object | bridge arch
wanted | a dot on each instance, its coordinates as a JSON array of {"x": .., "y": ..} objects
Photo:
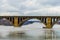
[
  {"x": 31, "y": 20},
  {"x": 5, "y": 21},
  {"x": 56, "y": 23},
  {"x": 27, "y": 19}
]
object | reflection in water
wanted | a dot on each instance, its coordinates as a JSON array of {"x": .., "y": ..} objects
[
  {"x": 49, "y": 34},
  {"x": 37, "y": 34},
  {"x": 57, "y": 33}
]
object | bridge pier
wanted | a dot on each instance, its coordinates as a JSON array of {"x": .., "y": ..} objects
[
  {"x": 16, "y": 21},
  {"x": 48, "y": 22}
]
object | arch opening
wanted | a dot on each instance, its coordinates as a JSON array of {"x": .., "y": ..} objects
[
  {"x": 5, "y": 22},
  {"x": 33, "y": 23},
  {"x": 56, "y": 25}
]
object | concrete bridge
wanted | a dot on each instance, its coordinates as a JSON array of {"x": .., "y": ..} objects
[{"x": 49, "y": 21}]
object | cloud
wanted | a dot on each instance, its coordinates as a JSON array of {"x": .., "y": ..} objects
[
  {"x": 6, "y": 7},
  {"x": 9, "y": 14},
  {"x": 50, "y": 11},
  {"x": 30, "y": 7}
]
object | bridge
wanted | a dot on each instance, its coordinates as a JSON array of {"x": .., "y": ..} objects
[{"x": 49, "y": 21}]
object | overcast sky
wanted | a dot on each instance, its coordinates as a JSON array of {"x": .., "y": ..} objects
[{"x": 30, "y": 7}]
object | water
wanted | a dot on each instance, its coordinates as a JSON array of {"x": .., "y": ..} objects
[
  {"x": 33, "y": 31},
  {"x": 35, "y": 34}
]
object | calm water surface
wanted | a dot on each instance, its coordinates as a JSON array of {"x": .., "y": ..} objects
[{"x": 35, "y": 34}]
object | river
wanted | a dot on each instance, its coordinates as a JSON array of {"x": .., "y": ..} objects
[{"x": 35, "y": 34}]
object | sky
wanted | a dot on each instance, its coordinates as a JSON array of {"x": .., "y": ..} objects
[{"x": 30, "y": 7}]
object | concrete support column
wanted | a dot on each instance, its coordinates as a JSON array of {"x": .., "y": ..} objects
[
  {"x": 48, "y": 22},
  {"x": 16, "y": 21}
]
